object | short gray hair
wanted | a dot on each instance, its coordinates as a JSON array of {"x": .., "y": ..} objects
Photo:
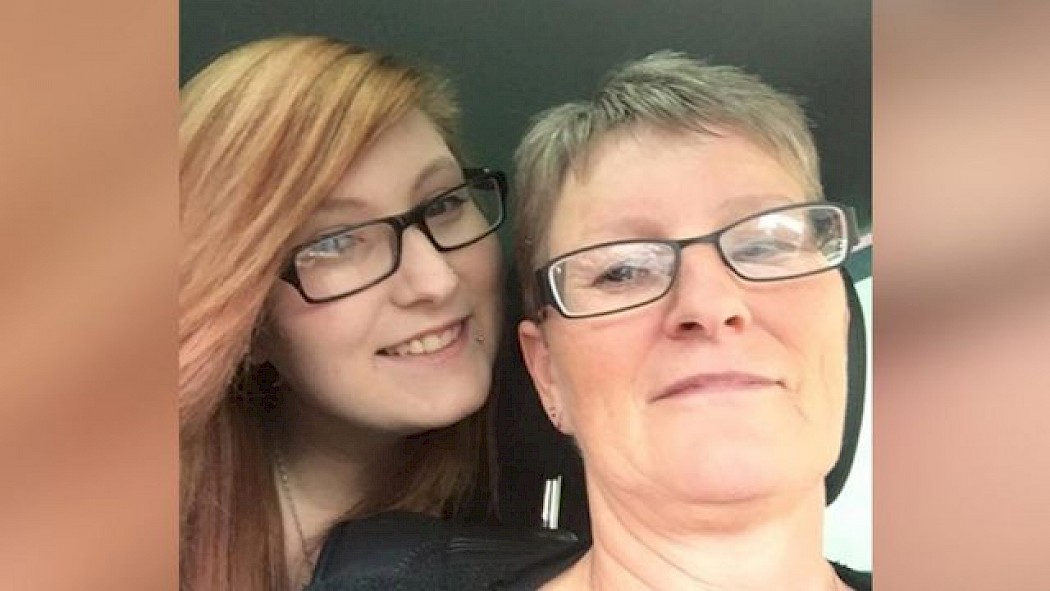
[{"x": 667, "y": 91}]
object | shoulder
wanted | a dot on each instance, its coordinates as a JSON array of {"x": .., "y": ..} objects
[
  {"x": 535, "y": 575},
  {"x": 411, "y": 551},
  {"x": 857, "y": 580},
  {"x": 377, "y": 549}
]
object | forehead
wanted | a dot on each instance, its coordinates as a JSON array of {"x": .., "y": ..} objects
[
  {"x": 405, "y": 163},
  {"x": 659, "y": 184},
  {"x": 391, "y": 163}
]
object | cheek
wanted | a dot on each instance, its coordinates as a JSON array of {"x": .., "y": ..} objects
[
  {"x": 480, "y": 273},
  {"x": 816, "y": 334},
  {"x": 478, "y": 267},
  {"x": 310, "y": 342},
  {"x": 831, "y": 372},
  {"x": 599, "y": 370}
]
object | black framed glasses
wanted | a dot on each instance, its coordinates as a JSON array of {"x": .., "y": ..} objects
[
  {"x": 351, "y": 259},
  {"x": 777, "y": 244}
]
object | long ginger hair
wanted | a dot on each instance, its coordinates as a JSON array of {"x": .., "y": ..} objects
[{"x": 266, "y": 132}]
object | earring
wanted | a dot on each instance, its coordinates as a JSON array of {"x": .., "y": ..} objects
[
  {"x": 479, "y": 338},
  {"x": 552, "y": 412},
  {"x": 269, "y": 379}
]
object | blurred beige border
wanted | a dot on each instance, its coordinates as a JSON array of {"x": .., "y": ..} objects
[
  {"x": 89, "y": 222},
  {"x": 88, "y": 228},
  {"x": 962, "y": 209}
]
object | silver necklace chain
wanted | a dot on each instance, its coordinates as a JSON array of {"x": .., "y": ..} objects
[{"x": 282, "y": 475}]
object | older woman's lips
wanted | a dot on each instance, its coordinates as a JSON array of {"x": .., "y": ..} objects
[{"x": 711, "y": 383}]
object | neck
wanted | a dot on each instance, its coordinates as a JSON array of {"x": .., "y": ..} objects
[
  {"x": 656, "y": 545},
  {"x": 333, "y": 465},
  {"x": 329, "y": 467}
]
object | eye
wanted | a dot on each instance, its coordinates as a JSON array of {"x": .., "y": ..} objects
[
  {"x": 622, "y": 273},
  {"x": 622, "y": 266},
  {"x": 626, "y": 274},
  {"x": 448, "y": 206},
  {"x": 767, "y": 250},
  {"x": 339, "y": 246}
]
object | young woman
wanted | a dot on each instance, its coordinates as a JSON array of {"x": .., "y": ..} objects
[{"x": 339, "y": 305}]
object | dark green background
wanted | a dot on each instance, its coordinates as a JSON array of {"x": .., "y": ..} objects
[{"x": 512, "y": 58}]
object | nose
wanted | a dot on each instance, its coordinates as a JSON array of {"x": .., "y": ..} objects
[
  {"x": 424, "y": 274},
  {"x": 707, "y": 299}
]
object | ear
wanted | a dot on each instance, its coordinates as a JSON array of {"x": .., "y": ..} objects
[
  {"x": 544, "y": 375},
  {"x": 260, "y": 347}
]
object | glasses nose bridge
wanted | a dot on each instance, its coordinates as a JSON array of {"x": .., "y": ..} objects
[
  {"x": 415, "y": 217},
  {"x": 711, "y": 238}
]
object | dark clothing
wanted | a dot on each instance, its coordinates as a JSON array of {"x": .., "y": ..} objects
[
  {"x": 537, "y": 575},
  {"x": 411, "y": 552}
]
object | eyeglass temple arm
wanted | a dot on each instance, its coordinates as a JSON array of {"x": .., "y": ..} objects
[
  {"x": 859, "y": 241},
  {"x": 543, "y": 296}
]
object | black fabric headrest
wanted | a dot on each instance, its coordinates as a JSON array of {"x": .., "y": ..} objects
[{"x": 857, "y": 367}]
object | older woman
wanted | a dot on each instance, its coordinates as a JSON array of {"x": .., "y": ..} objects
[{"x": 687, "y": 327}]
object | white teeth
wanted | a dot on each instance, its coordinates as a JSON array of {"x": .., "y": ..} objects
[{"x": 426, "y": 344}]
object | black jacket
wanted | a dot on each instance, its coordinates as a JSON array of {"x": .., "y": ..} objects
[{"x": 411, "y": 552}]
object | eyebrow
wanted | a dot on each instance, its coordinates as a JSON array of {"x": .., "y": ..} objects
[
  {"x": 438, "y": 164},
  {"x": 727, "y": 212},
  {"x": 745, "y": 205}
]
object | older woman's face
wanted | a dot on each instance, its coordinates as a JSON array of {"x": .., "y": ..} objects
[{"x": 766, "y": 361}]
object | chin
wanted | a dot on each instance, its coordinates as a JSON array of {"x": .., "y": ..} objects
[
  {"x": 444, "y": 409},
  {"x": 727, "y": 473},
  {"x": 722, "y": 488}
]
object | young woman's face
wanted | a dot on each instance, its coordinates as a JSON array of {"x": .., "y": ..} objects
[{"x": 415, "y": 351}]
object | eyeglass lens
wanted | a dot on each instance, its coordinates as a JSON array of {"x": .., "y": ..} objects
[
  {"x": 777, "y": 245},
  {"x": 356, "y": 258}
]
